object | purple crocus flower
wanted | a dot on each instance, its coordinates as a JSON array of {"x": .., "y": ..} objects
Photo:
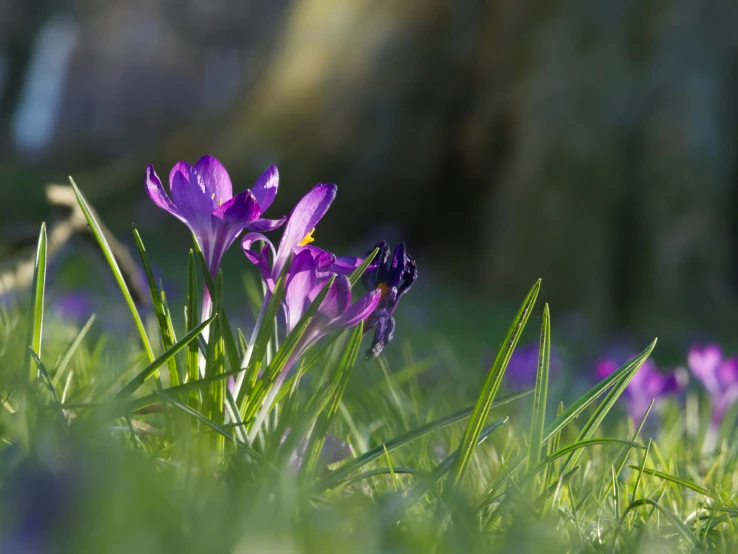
[
  {"x": 76, "y": 306},
  {"x": 334, "y": 314},
  {"x": 304, "y": 283},
  {"x": 393, "y": 277},
  {"x": 523, "y": 366},
  {"x": 202, "y": 198},
  {"x": 297, "y": 236},
  {"x": 718, "y": 375},
  {"x": 646, "y": 385}
]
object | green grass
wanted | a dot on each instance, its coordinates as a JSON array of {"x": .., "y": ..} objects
[{"x": 105, "y": 451}]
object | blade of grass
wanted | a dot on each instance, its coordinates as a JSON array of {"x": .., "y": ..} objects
[
  {"x": 580, "y": 445},
  {"x": 410, "y": 498},
  {"x": 191, "y": 321},
  {"x": 677, "y": 480},
  {"x": 46, "y": 378},
  {"x": 162, "y": 312},
  {"x": 489, "y": 391},
  {"x": 35, "y": 324},
  {"x": 149, "y": 370},
  {"x": 108, "y": 253},
  {"x": 274, "y": 376},
  {"x": 683, "y": 529},
  {"x": 602, "y": 410},
  {"x": 71, "y": 349},
  {"x": 357, "y": 273},
  {"x": 209, "y": 423},
  {"x": 538, "y": 420},
  {"x": 568, "y": 415},
  {"x": 349, "y": 467},
  {"x": 595, "y": 392},
  {"x": 625, "y": 451},
  {"x": 343, "y": 371}
]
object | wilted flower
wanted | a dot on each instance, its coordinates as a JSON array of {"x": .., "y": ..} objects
[
  {"x": 393, "y": 277},
  {"x": 202, "y": 198},
  {"x": 718, "y": 375},
  {"x": 523, "y": 366},
  {"x": 646, "y": 385}
]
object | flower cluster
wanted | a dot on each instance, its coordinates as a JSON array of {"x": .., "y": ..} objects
[{"x": 202, "y": 198}]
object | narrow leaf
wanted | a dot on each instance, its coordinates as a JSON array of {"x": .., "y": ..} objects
[
  {"x": 489, "y": 391},
  {"x": 108, "y": 253}
]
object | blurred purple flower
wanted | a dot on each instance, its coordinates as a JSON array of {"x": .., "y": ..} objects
[
  {"x": 523, "y": 366},
  {"x": 718, "y": 375},
  {"x": 77, "y": 306},
  {"x": 202, "y": 198},
  {"x": 647, "y": 384},
  {"x": 393, "y": 277}
]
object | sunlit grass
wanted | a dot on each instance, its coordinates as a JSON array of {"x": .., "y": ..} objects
[{"x": 115, "y": 441}]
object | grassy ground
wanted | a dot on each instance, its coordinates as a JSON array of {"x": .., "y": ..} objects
[{"x": 113, "y": 441}]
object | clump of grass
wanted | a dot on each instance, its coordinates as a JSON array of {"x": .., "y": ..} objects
[{"x": 118, "y": 445}]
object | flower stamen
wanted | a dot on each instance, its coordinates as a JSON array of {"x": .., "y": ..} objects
[{"x": 308, "y": 238}]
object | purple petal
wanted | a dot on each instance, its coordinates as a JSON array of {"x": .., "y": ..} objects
[
  {"x": 604, "y": 368},
  {"x": 675, "y": 381},
  {"x": 345, "y": 265},
  {"x": 265, "y": 188},
  {"x": 324, "y": 260},
  {"x": 359, "y": 310},
  {"x": 157, "y": 193},
  {"x": 241, "y": 209},
  {"x": 704, "y": 362},
  {"x": 727, "y": 372},
  {"x": 304, "y": 217},
  {"x": 301, "y": 281},
  {"x": 338, "y": 299},
  {"x": 248, "y": 240},
  {"x": 193, "y": 201},
  {"x": 266, "y": 225},
  {"x": 652, "y": 385},
  {"x": 215, "y": 178},
  {"x": 260, "y": 259}
]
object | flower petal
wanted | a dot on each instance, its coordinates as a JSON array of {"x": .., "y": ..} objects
[
  {"x": 215, "y": 178},
  {"x": 727, "y": 373},
  {"x": 158, "y": 194},
  {"x": 265, "y": 225},
  {"x": 324, "y": 260},
  {"x": 191, "y": 198},
  {"x": 345, "y": 265},
  {"x": 604, "y": 368},
  {"x": 338, "y": 298},
  {"x": 241, "y": 209},
  {"x": 704, "y": 363},
  {"x": 301, "y": 282},
  {"x": 304, "y": 217},
  {"x": 265, "y": 187},
  {"x": 260, "y": 259},
  {"x": 359, "y": 310}
]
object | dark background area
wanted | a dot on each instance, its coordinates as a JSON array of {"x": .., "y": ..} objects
[{"x": 591, "y": 143}]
